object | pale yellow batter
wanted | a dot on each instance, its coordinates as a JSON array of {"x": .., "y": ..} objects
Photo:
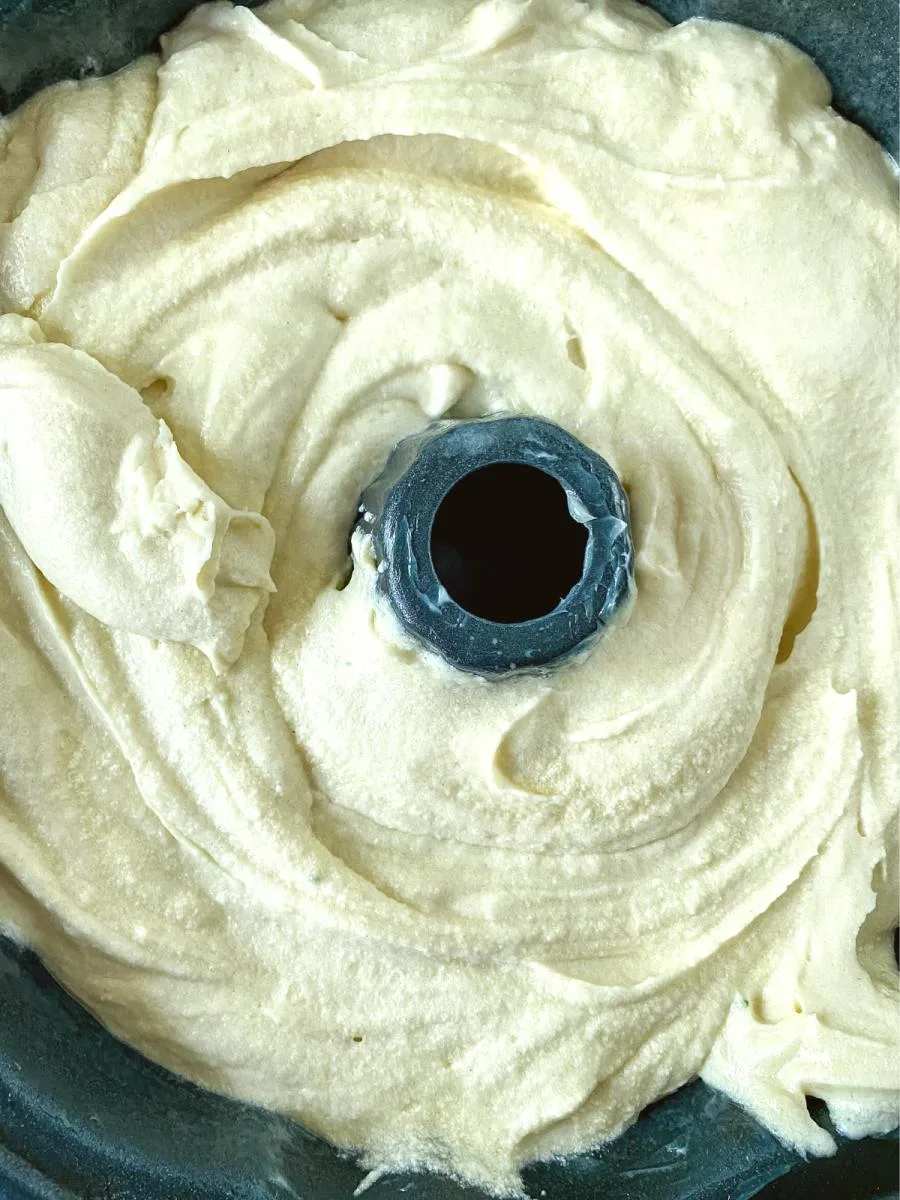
[{"x": 454, "y": 922}]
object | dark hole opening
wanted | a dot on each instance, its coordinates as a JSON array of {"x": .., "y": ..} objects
[
  {"x": 504, "y": 544},
  {"x": 817, "y": 1109}
]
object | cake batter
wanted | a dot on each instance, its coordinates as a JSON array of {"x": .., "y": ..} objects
[{"x": 451, "y": 922}]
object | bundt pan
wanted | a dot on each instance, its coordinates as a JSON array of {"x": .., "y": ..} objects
[{"x": 82, "y": 1115}]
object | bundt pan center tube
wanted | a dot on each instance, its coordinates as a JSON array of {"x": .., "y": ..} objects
[{"x": 501, "y": 544}]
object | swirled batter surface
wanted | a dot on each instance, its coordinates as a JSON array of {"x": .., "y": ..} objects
[{"x": 452, "y": 922}]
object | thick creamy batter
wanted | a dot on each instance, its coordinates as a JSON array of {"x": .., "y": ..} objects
[{"x": 452, "y": 922}]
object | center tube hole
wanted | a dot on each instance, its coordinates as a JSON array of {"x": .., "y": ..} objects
[{"x": 504, "y": 544}]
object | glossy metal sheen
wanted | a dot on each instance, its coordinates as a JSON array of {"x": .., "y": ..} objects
[{"x": 83, "y": 1116}]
